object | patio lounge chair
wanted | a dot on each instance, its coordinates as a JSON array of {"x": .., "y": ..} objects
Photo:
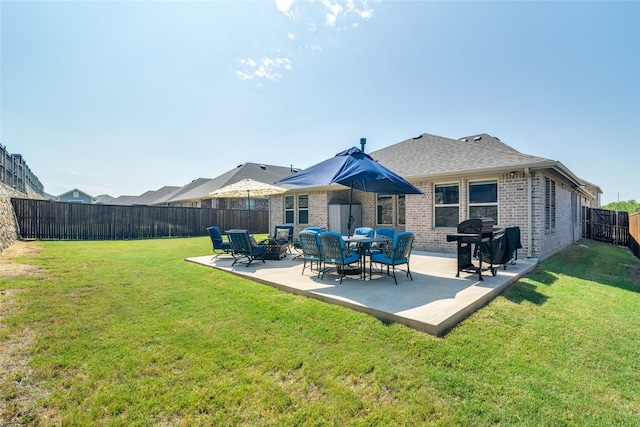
[
  {"x": 397, "y": 254},
  {"x": 244, "y": 247},
  {"x": 219, "y": 246},
  {"x": 311, "y": 249},
  {"x": 336, "y": 252}
]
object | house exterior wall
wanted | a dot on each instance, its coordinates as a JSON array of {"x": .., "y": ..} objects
[
  {"x": 76, "y": 197},
  {"x": 513, "y": 210},
  {"x": 568, "y": 223}
]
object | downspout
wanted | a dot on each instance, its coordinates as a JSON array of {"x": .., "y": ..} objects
[{"x": 527, "y": 173}]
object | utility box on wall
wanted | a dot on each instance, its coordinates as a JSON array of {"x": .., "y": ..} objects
[{"x": 339, "y": 217}]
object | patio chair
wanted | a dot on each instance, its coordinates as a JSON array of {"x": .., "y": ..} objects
[
  {"x": 311, "y": 249},
  {"x": 377, "y": 248},
  {"x": 283, "y": 234},
  {"x": 244, "y": 246},
  {"x": 396, "y": 254},
  {"x": 219, "y": 245},
  {"x": 297, "y": 244},
  {"x": 364, "y": 231},
  {"x": 279, "y": 244},
  {"x": 336, "y": 252}
]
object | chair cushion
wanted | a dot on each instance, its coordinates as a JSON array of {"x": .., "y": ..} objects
[
  {"x": 253, "y": 241},
  {"x": 282, "y": 234},
  {"x": 382, "y": 259},
  {"x": 349, "y": 259}
]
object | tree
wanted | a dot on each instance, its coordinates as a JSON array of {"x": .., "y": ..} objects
[{"x": 630, "y": 206}]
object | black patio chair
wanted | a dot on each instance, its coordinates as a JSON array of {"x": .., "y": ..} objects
[
  {"x": 219, "y": 245},
  {"x": 244, "y": 246}
]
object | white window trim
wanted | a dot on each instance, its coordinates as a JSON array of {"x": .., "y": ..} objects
[
  {"x": 473, "y": 205},
  {"x": 448, "y": 205}
]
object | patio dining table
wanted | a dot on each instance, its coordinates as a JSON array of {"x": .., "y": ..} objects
[{"x": 360, "y": 241}]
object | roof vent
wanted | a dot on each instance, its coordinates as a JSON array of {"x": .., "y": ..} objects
[
  {"x": 240, "y": 165},
  {"x": 495, "y": 137},
  {"x": 418, "y": 137},
  {"x": 263, "y": 167},
  {"x": 464, "y": 139},
  {"x": 477, "y": 138}
]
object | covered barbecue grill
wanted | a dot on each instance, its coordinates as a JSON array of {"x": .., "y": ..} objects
[
  {"x": 493, "y": 245},
  {"x": 502, "y": 249}
]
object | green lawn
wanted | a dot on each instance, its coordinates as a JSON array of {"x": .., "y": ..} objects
[{"x": 128, "y": 333}]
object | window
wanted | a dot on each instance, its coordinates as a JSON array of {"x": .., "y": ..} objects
[
  {"x": 446, "y": 205},
  {"x": 289, "y": 209},
  {"x": 401, "y": 209},
  {"x": 549, "y": 204},
  {"x": 384, "y": 209},
  {"x": 303, "y": 209},
  {"x": 483, "y": 200}
]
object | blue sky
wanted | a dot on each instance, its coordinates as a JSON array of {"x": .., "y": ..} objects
[{"x": 123, "y": 97}]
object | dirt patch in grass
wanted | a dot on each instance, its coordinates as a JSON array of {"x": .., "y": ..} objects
[
  {"x": 10, "y": 268},
  {"x": 17, "y": 387}
]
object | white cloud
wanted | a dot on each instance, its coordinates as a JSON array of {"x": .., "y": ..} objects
[
  {"x": 291, "y": 36},
  {"x": 334, "y": 10},
  {"x": 331, "y": 20},
  {"x": 266, "y": 68},
  {"x": 284, "y": 6}
]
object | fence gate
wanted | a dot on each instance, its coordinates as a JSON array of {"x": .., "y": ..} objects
[{"x": 605, "y": 226}]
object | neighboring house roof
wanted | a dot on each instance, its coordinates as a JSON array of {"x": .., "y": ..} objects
[
  {"x": 151, "y": 197},
  {"x": 200, "y": 188},
  {"x": 146, "y": 198},
  {"x": 124, "y": 200},
  {"x": 184, "y": 193},
  {"x": 103, "y": 199},
  {"x": 80, "y": 192}
]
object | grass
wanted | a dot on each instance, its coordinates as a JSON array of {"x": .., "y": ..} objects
[{"x": 129, "y": 334}]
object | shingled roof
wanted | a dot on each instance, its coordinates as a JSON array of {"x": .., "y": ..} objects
[
  {"x": 200, "y": 188},
  {"x": 430, "y": 155}
]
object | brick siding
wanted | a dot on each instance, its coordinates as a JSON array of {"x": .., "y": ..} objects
[{"x": 512, "y": 211}]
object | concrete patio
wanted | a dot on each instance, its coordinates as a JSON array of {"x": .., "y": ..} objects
[{"x": 434, "y": 302}]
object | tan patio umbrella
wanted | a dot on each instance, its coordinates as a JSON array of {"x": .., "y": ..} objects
[{"x": 247, "y": 187}]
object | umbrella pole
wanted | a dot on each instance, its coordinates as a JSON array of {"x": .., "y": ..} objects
[
  {"x": 249, "y": 211},
  {"x": 350, "y": 217}
]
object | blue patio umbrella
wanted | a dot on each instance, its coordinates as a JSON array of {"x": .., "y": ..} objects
[{"x": 354, "y": 169}]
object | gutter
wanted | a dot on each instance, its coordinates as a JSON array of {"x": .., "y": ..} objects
[{"x": 527, "y": 173}]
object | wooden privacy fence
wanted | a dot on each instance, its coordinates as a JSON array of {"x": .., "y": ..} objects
[
  {"x": 605, "y": 226},
  {"x": 634, "y": 233},
  {"x": 44, "y": 219}
]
